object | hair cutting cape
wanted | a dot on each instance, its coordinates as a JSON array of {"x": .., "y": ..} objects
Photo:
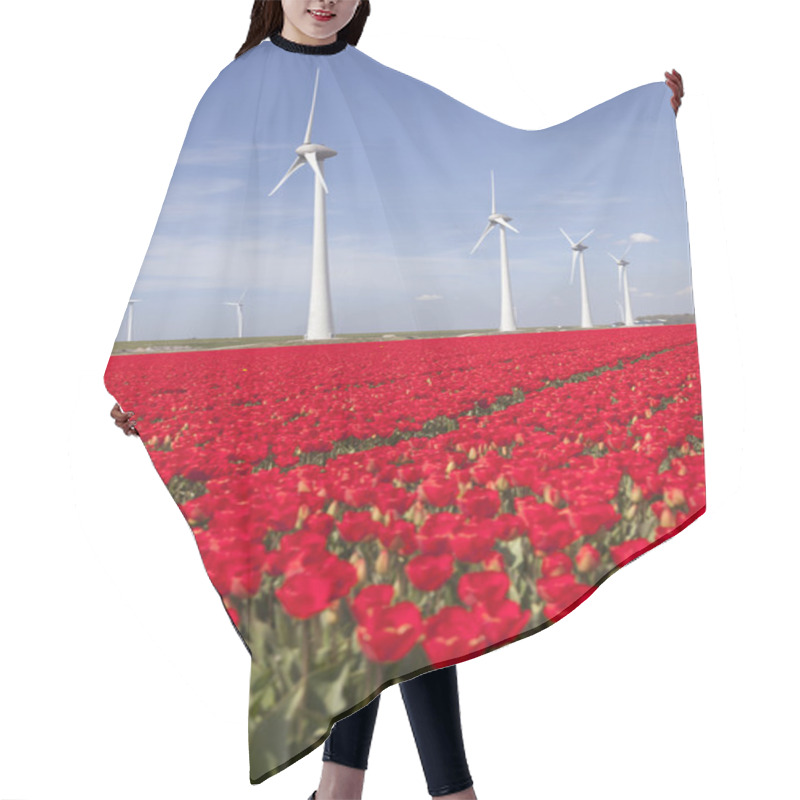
[{"x": 418, "y": 381}]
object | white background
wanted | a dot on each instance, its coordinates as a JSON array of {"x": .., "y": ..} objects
[{"x": 122, "y": 676}]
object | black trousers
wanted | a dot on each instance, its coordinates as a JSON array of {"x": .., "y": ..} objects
[{"x": 431, "y": 701}]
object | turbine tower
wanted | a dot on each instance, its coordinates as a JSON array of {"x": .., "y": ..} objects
[
  {"x": 507, "y": 321},
  {"x": 320, "y": 315},
  {"x": 239, "y": 310},
  {"x": 130, "y": 318},
  {"x": 577, "y": 253},
  {"x": 623, "y": 282}
]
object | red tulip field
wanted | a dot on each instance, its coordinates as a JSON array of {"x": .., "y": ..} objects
[{"x": 424, "y": 499}]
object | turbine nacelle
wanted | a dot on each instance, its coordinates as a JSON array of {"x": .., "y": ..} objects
[
  {"x": 321, "y": 151},
  {"x": 502, "y": 219},
  {"x": 577, "y": 246}
]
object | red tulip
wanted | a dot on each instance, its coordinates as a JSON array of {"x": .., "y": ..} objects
[
  {"x": 304, "y": 594},
  {"x": 556, "y": 564},
  {"x": 389, "y": 633},
  {"x": 438, "y": 491},
  {"x": 503, "y": 621},
  {"x": 429, "y": 573},
  {"x": 370, "y": 598},
  {"x": 451, "y": 633},
  {"x": 489, "y": 588},
  {"x": 481, "y": 503},
  {"x": 356, "y": 526}
]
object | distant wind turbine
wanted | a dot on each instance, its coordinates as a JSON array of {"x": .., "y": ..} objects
[
  {"x": 130, "y": 318},
  {"x": 623, "y": 281},
  {"x": 320, "y": 315},
  {"x": 577, "y": 253},
  {"x": 507, "y": 321},
  {"x": 239, "y": 310}
]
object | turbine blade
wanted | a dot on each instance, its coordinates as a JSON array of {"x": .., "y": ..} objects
[
  {"x": 572, "y": 244},
  {"x": 314, "y": 164},
  {"x": 298, "y": 162},
  {"x": 613, "y": 258},
  {"x": 583, "y": 237},
  {"x": 307, "y": 140},
  {"x": 574, "y": 259},
  {"x": 483, "y": 236},
  {"x": 493, "y": 206},
  {"x": 620, "y": 277}
]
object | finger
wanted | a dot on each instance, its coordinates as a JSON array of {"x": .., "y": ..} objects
[
  {"x": 675, "y": 76},
  {"x": 118, "y": 413}
]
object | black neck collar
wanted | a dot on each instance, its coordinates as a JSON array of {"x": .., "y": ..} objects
[{"x": 311, "y": 49}]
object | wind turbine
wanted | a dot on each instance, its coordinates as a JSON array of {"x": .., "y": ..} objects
[
  {"x": 577, "y": 253},
  {"x": 320, "y": 315},
  {"x": 507, "y": 321},
  {"x": 130, "y": 318},
  {"x": 239, "y": 313},
  {"x": 623, "y": 280}
]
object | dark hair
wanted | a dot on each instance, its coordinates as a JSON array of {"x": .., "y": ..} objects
[{"x": 266, "y": 18}]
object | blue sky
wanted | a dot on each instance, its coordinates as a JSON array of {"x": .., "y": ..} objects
[{"x": 409, "y": 198}]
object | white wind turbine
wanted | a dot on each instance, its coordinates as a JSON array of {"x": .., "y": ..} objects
[
  {"x": 622, "y": 264},
  {"x": 577, "y": 253},
  {"x": 507, "y": 321},
  {"x": 320, "y": 315},
  {"x": 130, "y": 318},
  {"x": 239, "y": 310}
]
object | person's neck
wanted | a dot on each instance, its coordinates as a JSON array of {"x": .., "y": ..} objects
[{"x": 336, "y": 46}]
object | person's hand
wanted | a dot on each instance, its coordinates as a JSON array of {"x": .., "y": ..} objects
[
  {"x": 122, "y": 419},
  {"x": 675, "y": 82}
]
